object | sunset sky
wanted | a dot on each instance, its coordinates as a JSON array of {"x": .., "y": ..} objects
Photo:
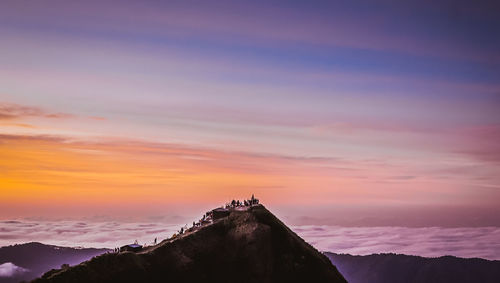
[{"x": 339, "y": 112}]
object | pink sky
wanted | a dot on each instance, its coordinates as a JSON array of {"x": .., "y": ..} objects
[{"x": 321, "y": 110}]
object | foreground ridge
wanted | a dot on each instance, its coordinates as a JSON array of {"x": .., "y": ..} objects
[{"x": 248, "y": 244}]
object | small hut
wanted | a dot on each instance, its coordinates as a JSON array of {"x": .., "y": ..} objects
[{"x": 220, "y": 213}]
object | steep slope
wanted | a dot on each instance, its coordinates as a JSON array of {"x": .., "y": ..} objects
[
  {"x": 37, "y": 258},
  {"x": 251, "y": 245},
  {"x": 395, "y": 268}
]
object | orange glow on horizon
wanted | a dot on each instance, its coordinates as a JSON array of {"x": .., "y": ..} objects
[
  {"x": 44, "y": 174},
  {"x": 44, "y": 170}
]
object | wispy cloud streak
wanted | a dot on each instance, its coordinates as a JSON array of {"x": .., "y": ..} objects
[{"x": 16, "y": 111}]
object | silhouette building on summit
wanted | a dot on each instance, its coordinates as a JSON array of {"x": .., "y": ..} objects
[
  {"x": 224, "y": 211},
  {"x": 131, "y": 248},
  {"x": 220, "y": 213}
]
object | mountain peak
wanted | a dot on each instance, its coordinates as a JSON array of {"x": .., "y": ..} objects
[{"x": 246, "y": 243}]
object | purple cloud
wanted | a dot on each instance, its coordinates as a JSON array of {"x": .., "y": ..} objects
[{"x": 9, "y": 269}]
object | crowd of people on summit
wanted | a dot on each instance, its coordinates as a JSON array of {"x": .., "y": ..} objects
[
  {"x": 237, "y": 203},
  {"x": 209, "y": 216}
]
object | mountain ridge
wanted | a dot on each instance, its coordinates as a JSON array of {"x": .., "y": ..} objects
[
  {"x": 395, "y": 268},
  {"x": 35, "y": 258}
]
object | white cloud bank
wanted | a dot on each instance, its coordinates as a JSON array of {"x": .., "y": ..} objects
[
  {"x": 9, "y": 269},
  {"x": 481, "y": 242}
]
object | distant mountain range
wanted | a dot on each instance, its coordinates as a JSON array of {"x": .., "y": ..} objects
[{"x": 397, "y": 268}]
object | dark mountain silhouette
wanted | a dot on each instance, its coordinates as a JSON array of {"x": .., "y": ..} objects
[
  {"x": 247, "y": 244},
  {"x": 392, "y": 268},
  {"x": 37, "y": 258}
]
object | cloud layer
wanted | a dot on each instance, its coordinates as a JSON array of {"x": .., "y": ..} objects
[
  {"x": 480, "y": 242},
  {"x": 83, "y": 234}
]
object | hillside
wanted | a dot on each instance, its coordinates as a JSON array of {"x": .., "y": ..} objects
[
  {"x": 396, "y": 268},
  {"x": 249, "y": 245},
  {"x": 37, "y": 258}
]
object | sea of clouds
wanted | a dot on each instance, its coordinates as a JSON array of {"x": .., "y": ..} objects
[
  {"x": 83, "y": 234},
  {"x": 483, "y": 242}
]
